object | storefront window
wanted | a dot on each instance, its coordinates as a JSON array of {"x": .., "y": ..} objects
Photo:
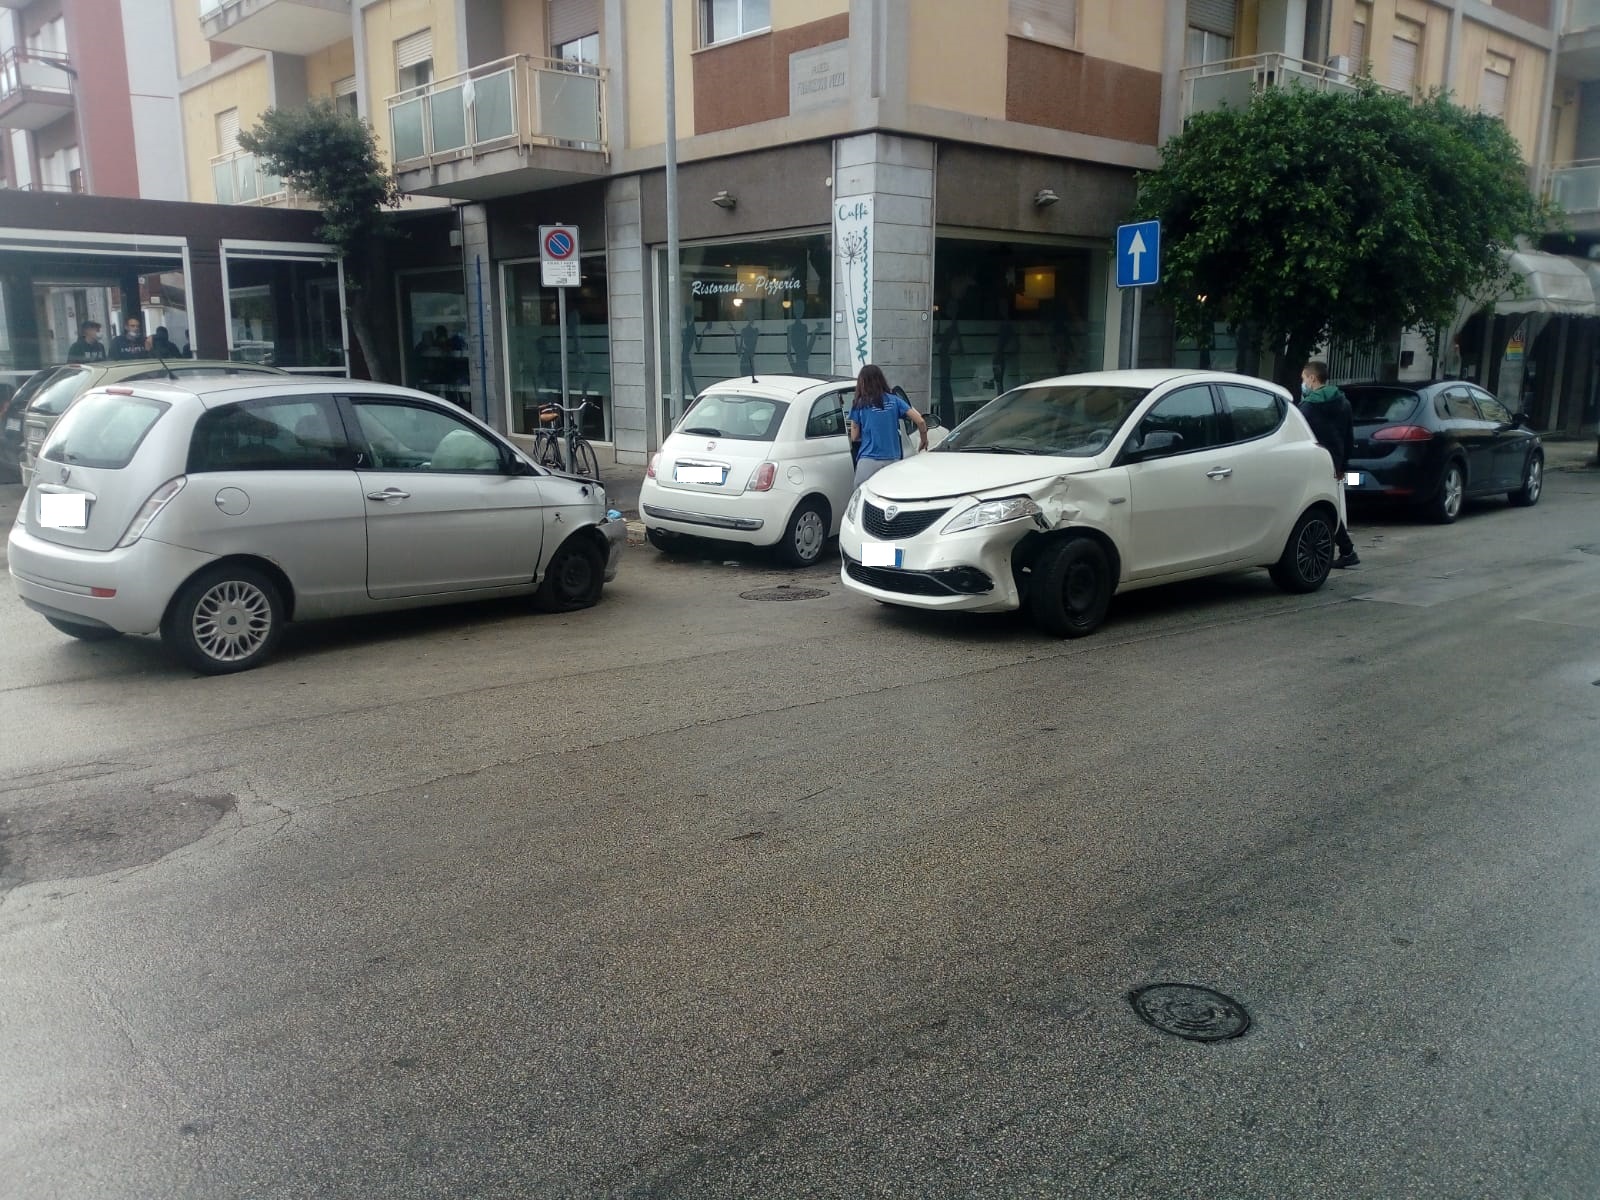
[
  {"x": 285, "y": 310},
  {"x": 748, "y": 308},
  {"x": 433, "y": 328},
  {"x": 533, "y": 346},
  {"x": 1007, "y": 313}
]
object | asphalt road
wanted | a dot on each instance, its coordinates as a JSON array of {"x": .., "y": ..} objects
[{"x": 697, "y": 896}]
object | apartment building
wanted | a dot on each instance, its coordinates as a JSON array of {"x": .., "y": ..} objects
[{"x": 933, "y": 184}]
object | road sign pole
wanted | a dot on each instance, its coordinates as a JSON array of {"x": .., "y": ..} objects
[
  {"x": 561, "y": 321},
  {"x": 1133, "y": 336}
]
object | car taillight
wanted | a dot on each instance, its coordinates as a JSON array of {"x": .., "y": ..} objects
[
  {"x": 146, "y": 514},
  {"x": 765, "y": 474},
  {"x": 650, "y": 471},
  {"x": 1403, "y": 433}
]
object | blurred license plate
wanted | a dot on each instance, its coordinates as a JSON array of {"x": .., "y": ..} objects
[
  {"x": 692, "y": 474},
  {"x": 881, "y": 554},
  {"x": 14, "y": 423},
  {"x": 1353, "y": 478},
  {"x": 63, "y": 510}
]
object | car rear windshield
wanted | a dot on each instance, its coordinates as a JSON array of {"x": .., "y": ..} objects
[
  {"x": 55, "y": 395},
  {"x": 1381, "y": 403},
  {"x": 1071, "y": 420},
  {"x": 102, "y": 431},
  {"x": 728, "y": 415}
]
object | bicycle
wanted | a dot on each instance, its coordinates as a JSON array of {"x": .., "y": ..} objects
[{"x": 548, "y": 450}]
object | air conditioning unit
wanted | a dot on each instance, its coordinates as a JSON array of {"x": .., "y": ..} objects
[{"x": 1342, "y": 64}]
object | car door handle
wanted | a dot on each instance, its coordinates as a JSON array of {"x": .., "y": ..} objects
[
  {"x": 389, "y": 493},
  {"x": 1219, "y": 472}
]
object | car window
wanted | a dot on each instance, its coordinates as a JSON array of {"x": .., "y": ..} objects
[
  {"x": 1070, "y": 420},
  {"x": 729, "y": 415},
  {"x": 1252, "y": 412},
  {"x": 1381, "y": 403},
  {"x": 104, "y": 431},
  {"x": 53, "y": 398},
  {"x": 412, "y": 437},
  {"x": 1492, "y": 409},
  {"x": 827, "y": 416},
  {"x": 291, "y": 433},
  {"x": 1456, "y": 405},
  {"x": 1190, "y": 414}
]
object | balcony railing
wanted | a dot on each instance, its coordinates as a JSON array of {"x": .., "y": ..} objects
[
  {"x": 238, "y": 178},
  {"x": 1233, "y": 82},
  {"x": 34, "y": 70},
  {"x": 1574, "y": 187},
  {"x": 513, "y": 102},
  {"x": 1582, "y": 15}
]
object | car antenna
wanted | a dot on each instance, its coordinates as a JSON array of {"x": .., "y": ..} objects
[{"x": 171, "y": 374}]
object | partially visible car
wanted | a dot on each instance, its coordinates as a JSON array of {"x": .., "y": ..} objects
[
  {"x": 758, "y": 461},
  {"x": 1435, "y": 445},
  {"x": 12, "y": 409},
  {"x": 215, "y": 510},
  {"x": 65, "y": 384},
  {"x": 1061, "y": 493}
]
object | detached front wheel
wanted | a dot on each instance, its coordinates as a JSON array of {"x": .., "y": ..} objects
[
  {"x": 1308, "y": 556},
  {"x": 226, "y": 619},
  {"x": 1071, "y": 588}
]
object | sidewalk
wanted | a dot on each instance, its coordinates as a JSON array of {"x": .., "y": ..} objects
[
  {"x": 1575, "y": 455},
  {"x": 622, "y": 482}
]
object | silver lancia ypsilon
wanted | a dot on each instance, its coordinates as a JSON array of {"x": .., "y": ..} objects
[{"x": 213, "y": 511}]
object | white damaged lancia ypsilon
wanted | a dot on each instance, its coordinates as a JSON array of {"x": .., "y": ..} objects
[{"x": 1060, "y": 493}]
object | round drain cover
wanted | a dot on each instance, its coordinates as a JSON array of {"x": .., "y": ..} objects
[
  {"x": 1196, "y": 1013},
  {"x": 784, "y": 591}
]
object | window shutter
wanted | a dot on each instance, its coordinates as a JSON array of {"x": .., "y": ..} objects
[
  {"x": 1403, "y": 65},
  {"x": 573, "y": 19},
  {"x": 228, "y": 131},
  {"x": 413, "y": 49},
  {"x": 1492, "y": 96},
  {"x": 345, "y": 86},
  {"x": 1358, "y": 44},
  {"x": 1054, "y": 21},
  {"x": 1214, "y": 16}
]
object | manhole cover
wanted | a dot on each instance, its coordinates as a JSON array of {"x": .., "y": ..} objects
[
  {"x": 784, "y": 591},
  {"x": 1196, "y": 1013}
]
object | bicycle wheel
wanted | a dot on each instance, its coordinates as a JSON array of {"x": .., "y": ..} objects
[
  {"x": 584, "y": 460},
  {"x": 547, "y": 450}
]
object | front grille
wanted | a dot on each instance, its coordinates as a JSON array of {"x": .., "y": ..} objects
[
  {"x": 903, "y": 525},
  {"x": 954, "y": 581}
]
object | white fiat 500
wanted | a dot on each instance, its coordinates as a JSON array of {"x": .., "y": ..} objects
[
  {"x": 764, "y": 462},
  {"x": 1060, "y": 493}
]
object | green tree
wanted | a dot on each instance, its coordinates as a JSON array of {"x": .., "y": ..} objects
[
  {"x": 333, "y": 158},
  {"x": 1309, "y": 215}
]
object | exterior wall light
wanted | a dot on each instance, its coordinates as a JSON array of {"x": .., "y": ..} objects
[
  {"x": 724, "y": 200},
  {"x": 1045, "y": 197}
]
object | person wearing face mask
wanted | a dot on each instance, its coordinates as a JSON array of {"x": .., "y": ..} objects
[{"x": 1327, "y": 410}]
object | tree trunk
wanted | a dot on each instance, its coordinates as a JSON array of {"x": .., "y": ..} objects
[
  {"x": 1295, "y": 354},
  {"x": 361, "y": 326}
]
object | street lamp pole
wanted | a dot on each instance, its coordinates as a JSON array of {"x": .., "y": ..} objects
[{"x": 674, "y": 312}]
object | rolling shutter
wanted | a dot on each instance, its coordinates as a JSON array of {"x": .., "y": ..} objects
[
  {"x": 1054, "y": 21},
  {"x": 1358, "y": 44},
  {"x": 1403, "y": 65},
  {"x": 1214, "y": 16},
  {"x": 413, "y": 49},
  {"x": 573, "y": 19},
  {"x": 228, "y": 131},
  {"x": 1492, "y": 96}
]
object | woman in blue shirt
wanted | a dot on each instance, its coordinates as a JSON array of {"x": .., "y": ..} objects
[{"x": 875, "y": 423}]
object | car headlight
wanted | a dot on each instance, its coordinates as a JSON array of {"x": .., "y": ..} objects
[
  {"x": 853, "y": 508},
  {"x": 992, "y": 512}
]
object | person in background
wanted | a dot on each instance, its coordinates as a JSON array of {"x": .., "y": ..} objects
[
  {"x": 162, "y": 345},
  {"x": 1327, "y": 411},
  {"x": 131, "y": 342},
  {"x": 88, "y": 347},
  {"x": 874, "y": 423}
]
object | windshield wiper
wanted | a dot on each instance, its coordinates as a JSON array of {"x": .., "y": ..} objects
[
  {"x": 993, "y": 450},
  {"x": 702, "y": 431}
]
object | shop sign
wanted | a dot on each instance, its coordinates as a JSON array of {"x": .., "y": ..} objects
[
  {"x": 819, "y": 76},
  {"x": 758, "y": 285},
  {"x": 852, "y": 253}
]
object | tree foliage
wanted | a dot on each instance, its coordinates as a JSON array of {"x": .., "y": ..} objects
[
  {"x": 1308, "y": 215},
  {"x": 332, "y": 158}
]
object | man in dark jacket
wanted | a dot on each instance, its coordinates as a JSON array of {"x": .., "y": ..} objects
[{"x": 1327, "y": 410}]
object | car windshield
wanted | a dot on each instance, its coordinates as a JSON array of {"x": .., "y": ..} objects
[
  {"x": 52, "y": 399},
  {"x": 729, "y": 415},
  {"x": 34, "y": 384},
  {"x": 1071, "y": 420},
  {"x": 103, "y": 432},
  {"x": 1376, "y": 403}
]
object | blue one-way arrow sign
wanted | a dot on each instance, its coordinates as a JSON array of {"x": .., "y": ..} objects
[{"x": 1139, "y": 254}]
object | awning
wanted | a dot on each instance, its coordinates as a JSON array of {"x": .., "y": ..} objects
[{"x": 1549, "y": 283}]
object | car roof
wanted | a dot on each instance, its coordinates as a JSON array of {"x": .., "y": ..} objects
[
  {"x": 211, "y": 390},
  {"x": 1148, "y": 377},
  {"x": 776, "y": 385}
]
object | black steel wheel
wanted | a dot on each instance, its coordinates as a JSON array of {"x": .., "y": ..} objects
[
  {"x": 574, "y": 577},
  {"x": 1071, "y": 588},
  {"x": 1308, "y": 554}
]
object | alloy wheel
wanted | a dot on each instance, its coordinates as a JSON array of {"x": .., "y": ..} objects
[{"x": 1313, "y": 551}]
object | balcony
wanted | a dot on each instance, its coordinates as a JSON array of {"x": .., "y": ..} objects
[
  {"x": 238, "y": 178},
  {"x": 517, "y": 124},
  {"x": 35, "y": 89},
  {"x": 284, "y": 26},
  {"x": 1574, "y": 188},
  {"x": 1232, "y": 83}
]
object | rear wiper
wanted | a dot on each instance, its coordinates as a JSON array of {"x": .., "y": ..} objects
[{"x": 703, "y": 431}]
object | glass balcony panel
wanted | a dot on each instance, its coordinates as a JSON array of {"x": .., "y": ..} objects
[
  {"x": 569, "y": 106},
  {"x": 495, "y": 107},
  {"x": 406, "y": 129},
  {"x": 449, "y": 119}
]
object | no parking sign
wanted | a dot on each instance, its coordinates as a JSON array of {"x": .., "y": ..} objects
[{"x": 558, "y": 256}]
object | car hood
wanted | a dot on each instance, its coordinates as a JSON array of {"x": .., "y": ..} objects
[{"x": 933, "y": 476}]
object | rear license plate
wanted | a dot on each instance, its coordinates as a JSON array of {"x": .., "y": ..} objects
[
  {"x": 882, "y": 554},
  {"x": 13, "y": 423},
  {"x": 63, "y": 510},
  {"x": 687, "y": 473}
]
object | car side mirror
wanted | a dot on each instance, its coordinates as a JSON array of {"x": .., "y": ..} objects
[{"x": 1155, "y": 444}]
